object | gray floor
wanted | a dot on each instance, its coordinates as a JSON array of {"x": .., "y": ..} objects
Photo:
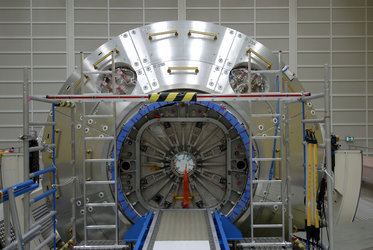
[
  {"x": 182, "y": 226},
  {"x": 365, "y": 207},
  {"x": 358, "y": 234}
]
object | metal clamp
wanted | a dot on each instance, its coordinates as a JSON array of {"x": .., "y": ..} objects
[
  {"x": 27, "y": 137},
  {"x": 261, "y": 57},
  {"x": 190, "y": 32},
  {"x": 163, "y": 33},
  {"x": 170, "y": 69},
  {"x": 104, "y": 57}
]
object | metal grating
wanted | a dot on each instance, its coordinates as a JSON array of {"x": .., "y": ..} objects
[
  {"x": 47, "y": 226},
  {"x": 2, "y": 234}
]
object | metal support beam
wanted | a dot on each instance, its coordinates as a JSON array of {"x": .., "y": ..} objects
[
  {"x": 73, "y": 206},
  {"x": 293, "y": 36},
  {"x": 265, "y": 96},
  {"x": 16, "y": 224},
  {"x": 181, "y": 9},
  {"x": 26, "y": 170},
  {"x": 330, "y": 176},
  {"x": 70, "y": 43}
]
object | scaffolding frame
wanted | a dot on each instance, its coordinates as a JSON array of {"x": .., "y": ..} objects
[
  {"x": 27, "y": 186},
  {"x": 284, "y": 100}
]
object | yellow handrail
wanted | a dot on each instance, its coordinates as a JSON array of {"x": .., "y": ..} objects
[
  {"x": 78, "y": 82},
  {"x": 170, "y": 69},
  {"x": 104, "y": 57},
  {"x": 260, "y": 56},
  {"x": 190, "y": 32},
  {"x": 163, "y": 33}
]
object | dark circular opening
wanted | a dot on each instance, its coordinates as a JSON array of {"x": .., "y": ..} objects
[
  {"x": 126, "y": 165},
  {"x": 241, "y": 165}
]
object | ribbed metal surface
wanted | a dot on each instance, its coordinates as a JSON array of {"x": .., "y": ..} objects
[
  {"x": 261, "y": 243},
  {"x": 182, "y": 225},
  {"x": 47, "y": 226}
]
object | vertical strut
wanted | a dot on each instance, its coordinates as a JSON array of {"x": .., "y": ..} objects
[
  {"x": 26, "y": 152},
  {"x": 288, "y": 178},
  {"x": 84, "y": 152},
  {"x": 251, "y": 180},
  {"x": 115, "y": 150}
]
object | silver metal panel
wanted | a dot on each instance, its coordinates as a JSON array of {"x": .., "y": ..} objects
[{"x": 150, "y": 60}]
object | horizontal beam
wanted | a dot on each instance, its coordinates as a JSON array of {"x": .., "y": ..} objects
[{"x": 267, "y": 96}]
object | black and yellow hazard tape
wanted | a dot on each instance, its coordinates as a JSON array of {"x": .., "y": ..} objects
[
  {"x": 173, "y": 97},
  {"x": 67, "y": 104}
]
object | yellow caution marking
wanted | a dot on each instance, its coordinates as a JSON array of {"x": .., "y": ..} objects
[
  {"x": 189, "y": 96},
  {"x": 154, "y": 97},
  {"x": 171, "y": 97}
]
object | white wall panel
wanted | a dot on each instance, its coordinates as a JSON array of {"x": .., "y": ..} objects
[
  {"x": 207, "y": 15},
  {"x": 236, "y": 15},
  {"x": 336, "y": 32},
  {"x": 33, "y": 35},
  {"x": 157, "y": 15},
  {"x": 344, "y": 87}
]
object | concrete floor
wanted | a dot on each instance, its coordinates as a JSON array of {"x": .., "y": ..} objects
[{"x": 358, "y": 234}]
